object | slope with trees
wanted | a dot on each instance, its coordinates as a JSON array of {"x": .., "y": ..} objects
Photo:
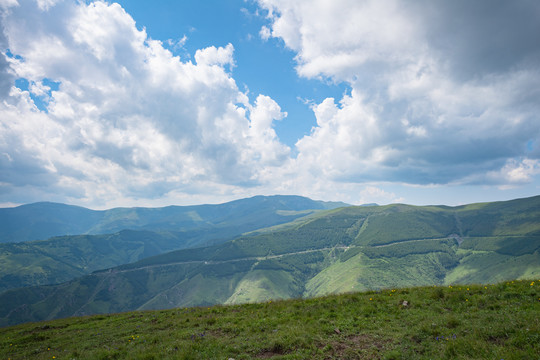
[{"x": 340, "y": 250}]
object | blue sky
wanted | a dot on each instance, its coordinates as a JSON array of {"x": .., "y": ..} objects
[
  {"x": 138, "y": 103},
  {"x": 261, "y": 66}
]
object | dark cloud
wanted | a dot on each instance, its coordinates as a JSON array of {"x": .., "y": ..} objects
[
  {"x": 23, "y": 170},
  {"x": 7, "y": 78},
  {"x": 483, "y": 36}
]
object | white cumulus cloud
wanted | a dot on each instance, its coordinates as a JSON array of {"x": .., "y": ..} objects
[
  {"x": 440, "y": 92},
  {"x": 215, "y": 56},
  {"x": 129, "y": 121}
]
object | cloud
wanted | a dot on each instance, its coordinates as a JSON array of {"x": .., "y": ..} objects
[
  {"x": 517, "y": 172},
  {"x": 263, "y": 138},
  {"x": 6, "y": 76},
  {"x": 440, "y": 92},
  {"x": 177, "y": 44},
  {"x": 128, "y": 121},
  {"x": 47, "y": 4},
  {"x": 375, "y": 194},
  {"x": 215, "y": 56},
  {"x": 6, "y": 4},
  {"x": 265, "y": 33}
]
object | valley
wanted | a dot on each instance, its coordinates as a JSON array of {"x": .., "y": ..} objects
[
  {"x": 340, "y": 250},
  {"x": 141, "y": 232}
]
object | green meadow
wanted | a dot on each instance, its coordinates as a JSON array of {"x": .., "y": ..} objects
[{"x": 491, "y": 321}]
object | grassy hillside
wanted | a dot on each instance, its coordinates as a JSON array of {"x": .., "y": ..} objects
[
  {"x": 41, "y": 221},
  {"x": 63, "y": 258},
  {"x": 452, "y": 322},
  {"x": 341, "y": 250}
]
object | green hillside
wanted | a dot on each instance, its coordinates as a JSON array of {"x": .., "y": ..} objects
[
  {"x": 452, "y": 322},
  {"x": 63, "y": 258},
  {"x": 341, "y": 250}
]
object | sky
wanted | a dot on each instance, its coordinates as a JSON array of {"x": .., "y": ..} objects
[{"x": 139, "y": 103}]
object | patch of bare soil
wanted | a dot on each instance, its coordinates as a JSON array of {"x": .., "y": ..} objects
[{"x": 359, "y": 346}]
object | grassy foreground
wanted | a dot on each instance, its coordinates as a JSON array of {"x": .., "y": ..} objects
[{"x": 499, "y": 321}]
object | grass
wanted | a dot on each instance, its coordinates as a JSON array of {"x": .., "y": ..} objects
[{"x": 453, "y": 322}]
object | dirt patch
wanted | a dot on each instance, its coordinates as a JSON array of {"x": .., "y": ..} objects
[
  {"x": 358, "y": 346},
  {"x": 368, "y": 341},
  {"x": 268, "y": 354},
  {"x": 275, "y": 350},
  {"x": 498, "y": 340}
]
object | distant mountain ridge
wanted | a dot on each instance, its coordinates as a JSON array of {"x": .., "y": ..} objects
[
  {"x": 40, "y": 221},
  {"x": 334, "y": 251},
  {"x": 62, "y": 258}
]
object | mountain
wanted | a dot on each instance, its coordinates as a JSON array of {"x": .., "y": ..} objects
[
  {"x": 62, "y": 258},
  {"x": 335, "y": 251},
  {"x": 43, "y": 220}
]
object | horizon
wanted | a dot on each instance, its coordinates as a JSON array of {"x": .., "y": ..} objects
[
  {"x": 239, "y": 199},
  {"x": 134, "y": 104}
]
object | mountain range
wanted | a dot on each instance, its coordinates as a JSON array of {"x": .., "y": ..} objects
[
  {"x": 344, "y": 249},
  {"x": 40, "y": 221},
  {"x": 126, "y": 234}
]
